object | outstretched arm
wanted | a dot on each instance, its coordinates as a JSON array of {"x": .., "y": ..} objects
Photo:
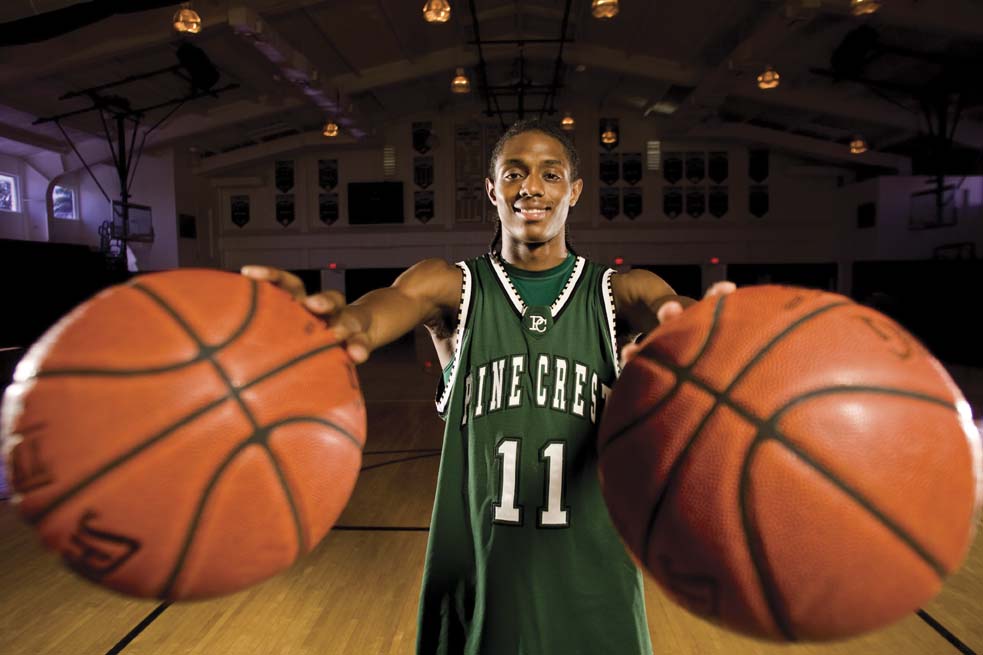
[
  {"x": 424, "y": 292},
  {"x": 644, "y": 301}
]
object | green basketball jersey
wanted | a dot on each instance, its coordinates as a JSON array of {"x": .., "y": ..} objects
[{"x": 523, "y": 558}]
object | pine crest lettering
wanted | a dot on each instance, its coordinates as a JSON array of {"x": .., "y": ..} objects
[{"x": 551, "y": 381}]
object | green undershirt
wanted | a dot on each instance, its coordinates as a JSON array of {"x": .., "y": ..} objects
[{"x": 536, "y": 288}]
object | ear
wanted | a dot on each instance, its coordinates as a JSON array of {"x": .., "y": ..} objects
[
  {"x": 575, "y": 190},
  {"x": 490, "y": 190}
]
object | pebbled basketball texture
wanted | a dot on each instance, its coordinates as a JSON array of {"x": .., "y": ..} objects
[
  {"x": 791, "y": 465},
  {"x": 185, "y": 435}
]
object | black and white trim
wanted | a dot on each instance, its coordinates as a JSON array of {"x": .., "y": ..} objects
[
  {"x": 561, "y": 301},
  {"x": 518, "y": 305},
  {"x": 463, "y": 313},
  {"x": 607, "y": 294}
]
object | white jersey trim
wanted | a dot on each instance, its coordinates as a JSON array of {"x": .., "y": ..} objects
[
  {"x": 561, "y": 300},
  {"x": 464, "y": 310},
  {"x": 516, "y": 299},
  {"x": 609, "y": 309}
]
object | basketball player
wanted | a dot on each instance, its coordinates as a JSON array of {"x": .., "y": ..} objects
[{"x": 522, "y": 556}]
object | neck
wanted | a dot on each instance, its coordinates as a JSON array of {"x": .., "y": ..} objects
[{"x": 535, "y": 256}]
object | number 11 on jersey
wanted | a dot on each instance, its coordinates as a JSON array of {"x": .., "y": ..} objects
[{"x": 552, "y": 458}]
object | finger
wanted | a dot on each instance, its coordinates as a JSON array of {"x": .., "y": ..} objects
[
  {"x": 282, "y": 279},
  {"x": 346, "y": 326},
  {"x": 669, "y": 311},
  {"x": 357, "y": 348},
  {"x": 720, "y": 289},
  {"x": 325, "y": 302},
  {"x": 629, "y": 352}
]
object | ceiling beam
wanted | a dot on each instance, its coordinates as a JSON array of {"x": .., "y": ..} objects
[
  {"x": 838, "y": 103},
  {"x": 33, "y": 139},
  {"x": 769, "y": 31},
  {"x": 595, "y": 57},
  {"x": 954, "y": 18},
  {"x": 221, "y": 117},
  {"x": 249, "y": 154},
  {"x": 815, "y": 148},
  {"x": 153, "y": 29}
]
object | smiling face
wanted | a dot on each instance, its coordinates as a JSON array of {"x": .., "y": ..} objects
[{"x": 533, "y": 189}]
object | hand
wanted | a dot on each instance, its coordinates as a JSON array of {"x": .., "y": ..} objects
[
  {"x": 671, "y": 310},
  {"x": 348, "y": 324}
]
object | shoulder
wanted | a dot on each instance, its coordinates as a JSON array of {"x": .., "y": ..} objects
[{"x": 638, "y": 285}]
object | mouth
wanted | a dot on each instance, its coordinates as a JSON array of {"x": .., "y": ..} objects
[{"x": 532, "y": 213}]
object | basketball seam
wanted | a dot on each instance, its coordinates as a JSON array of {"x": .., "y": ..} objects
[
  {"x": 769, "y": 590},
  {"x": 201, "y": 356},
  {"x": 206, "y": 494},
  {"x": 718, "y": 308},
  {"x": 683, "y": 374},
  {"x": 136, "y": 450},
  {"x": 192, "y": 529},
  {"x": 234, "y": 393},
  {"x": 803, "y": 455},
  {"x": 122, "y": 459},
  {"x": 205, "y": 353}
]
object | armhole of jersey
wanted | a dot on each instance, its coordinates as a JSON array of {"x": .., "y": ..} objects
[
  {"x": 463, "y": 312},
  {"x": 607, "y": 294}
]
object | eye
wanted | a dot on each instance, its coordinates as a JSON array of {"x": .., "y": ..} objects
[
  {"x": 512, "y": 175},
  {"x": 551, "y": 176}
]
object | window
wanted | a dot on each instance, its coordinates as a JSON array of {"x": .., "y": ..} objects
[
  {"x": 654, "y": 151},
  {"x": 63, "y": 202},
  {"x": 9, "y": 198}
]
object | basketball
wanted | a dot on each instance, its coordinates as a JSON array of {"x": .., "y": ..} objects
[
  {"x": 791, "y": 465},
  {"x": 184, "y": 435}
]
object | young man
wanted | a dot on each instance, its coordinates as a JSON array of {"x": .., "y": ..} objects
[{"x": 522, "y": 556}]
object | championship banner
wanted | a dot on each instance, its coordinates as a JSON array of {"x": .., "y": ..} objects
[
  {"x": 327, "y": 208},
  {"x": 632, "y": 201},
  {"x": 718, "y": 167},
  {"x": 672, "y": 167},
  {"x": 631, "y": 167},
  {"x": 283, "y": 175},
  {"x": 285, "y": 209},
  {"x": 757, "y": 165},
  {"x": 672, "y": 201},
  {"x": 239, "y": 210},
  {"x": 423, "y": 171},
  {"x": 422, "y": 137},
  {"x": 609, "y": 202},
  {"x": 609, "y": 168},
  {"x": 758, "y": 200},
  {"x": 695, "y": 167},
  {"x": 327, "y": 173},
  {"x": 695, "y": 201},
  {"x": 718, "y": 201},
  {"x": 423, "y": 205}
]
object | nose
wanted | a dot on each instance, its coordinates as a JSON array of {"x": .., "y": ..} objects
[{"x": 531, "y": 186}]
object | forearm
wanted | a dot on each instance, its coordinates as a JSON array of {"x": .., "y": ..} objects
[
  {"x": 388, "y": 314},
  {"x": 644, "y": 317}
]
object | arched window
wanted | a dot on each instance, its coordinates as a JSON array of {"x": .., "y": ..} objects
[
  {"x": 64, "y": 202},
  {"x": 9, "y": 193}
]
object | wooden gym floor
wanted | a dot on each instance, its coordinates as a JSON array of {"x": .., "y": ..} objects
[{"x": 356, "y": 593}]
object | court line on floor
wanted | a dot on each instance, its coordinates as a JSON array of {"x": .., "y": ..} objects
[
  {"x": 381, "y": 528},
  {"x": 948, "y": 636},
  {"x": 140, "y": 627},
  {"x": 394, "y": 452},
  {"x": 398, "y": 461}
]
